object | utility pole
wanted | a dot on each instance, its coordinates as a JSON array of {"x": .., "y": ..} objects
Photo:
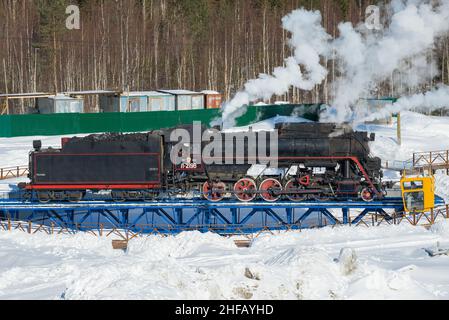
[{"x": 398, "y": 127}]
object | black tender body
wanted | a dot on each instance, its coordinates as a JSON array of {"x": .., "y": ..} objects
[{"x": 100, "y": 159}]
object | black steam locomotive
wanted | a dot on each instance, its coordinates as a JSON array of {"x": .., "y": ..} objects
[{"x": 314, "y": 162}]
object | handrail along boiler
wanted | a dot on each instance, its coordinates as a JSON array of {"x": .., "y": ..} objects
[{"x": 315, "y": 162}]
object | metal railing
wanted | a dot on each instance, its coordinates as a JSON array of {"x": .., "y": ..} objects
[
  {"x": 398, "y": 165},
  {"x": 13, "y": 172},
  {"x": 432, "y": 160}
]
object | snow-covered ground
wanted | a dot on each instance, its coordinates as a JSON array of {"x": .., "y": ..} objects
[
  {"x": 387, "y": 262},
  {"x": 378, "y": 263},
  {"x": 420, "y": 133}
]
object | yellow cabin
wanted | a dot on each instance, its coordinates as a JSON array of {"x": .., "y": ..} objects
[{"x": 418, "y": 194}]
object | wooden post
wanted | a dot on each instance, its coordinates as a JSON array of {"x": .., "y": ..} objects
[
  {"x": 6, "y": 86},
  {"x": 128, "y": 107},
  {"x": 398, "y": 131}
]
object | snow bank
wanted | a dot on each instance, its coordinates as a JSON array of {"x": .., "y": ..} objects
[
  {"x": 297, "y": 265},
  {"x": 420, "y": 133},
  {"x": 442, "y": 186}
]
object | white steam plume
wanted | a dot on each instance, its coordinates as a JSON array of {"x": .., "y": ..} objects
[
  {"x": 428, "y": 101},
  {"x": 309, "y": 41},
  {"x": 367, "y": 59}
]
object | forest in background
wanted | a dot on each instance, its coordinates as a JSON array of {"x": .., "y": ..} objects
[{"x": 155, "y": 44}]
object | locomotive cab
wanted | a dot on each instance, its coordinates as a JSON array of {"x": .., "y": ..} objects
[{"x": 418, "y": 194}]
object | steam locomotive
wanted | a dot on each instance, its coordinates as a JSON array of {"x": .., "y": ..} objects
[{"x": 314, "y": 162}]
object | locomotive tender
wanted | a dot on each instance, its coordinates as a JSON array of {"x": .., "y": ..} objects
[{"x": 315, "y": 161}]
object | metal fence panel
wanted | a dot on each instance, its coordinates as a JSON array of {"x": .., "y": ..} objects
[{"x": 61, "y": 124}]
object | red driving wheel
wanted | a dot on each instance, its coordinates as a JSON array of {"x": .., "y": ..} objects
[
  {"x": 292, "y": 189},
  {"x": 245, "y": 190},
  {"x": 214, "y": 192},
  {"x": 270, "y": 190},
  {"x": 367, "y": 195}
]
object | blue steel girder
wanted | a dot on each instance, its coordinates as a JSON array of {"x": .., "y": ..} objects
[
  {"x": 84, "y": 218},
  {"x": 234, "y": 215},
  {"x": 380, "y": 211},
  {"x": 224, "y": 216},
  {"x": 384, "y": 214},
  {"x": 361, "y": 216},
  {"x": 249, "y": 216},
  {"x": 30, "y": 217},
  {"x": 165, "y": 216},
  {"x": 109, "y": 216},
  {"x": 330, "y": 216},
  {"x": 305, "y": 216},
  {"x": 346, "y": 215},
  {"x": 106, "y": 212},
  {"x": 124, "y": 217},
  {"x": 219, "y": 216},
  {"x": 274, "y": 216},
  {"x": 140, "y": 216},
  {"x": 290, "y": 216},
  {"x": 196, "y": 215},
  {"x": 55, "y": 217},
  {"x": 179, "y": 218}
]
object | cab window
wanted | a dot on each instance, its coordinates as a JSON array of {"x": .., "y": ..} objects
[
  {"x": 413, "y": 185},
  {"x": 414, "y": 201}
]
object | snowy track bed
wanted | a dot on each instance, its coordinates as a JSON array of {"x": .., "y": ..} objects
[{"x": 389, "y": 263}]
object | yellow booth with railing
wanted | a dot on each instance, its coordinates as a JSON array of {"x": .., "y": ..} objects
[{"x": 418, "y": 194}]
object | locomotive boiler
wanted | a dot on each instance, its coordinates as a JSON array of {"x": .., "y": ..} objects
[{"x": 313, "y": 161}]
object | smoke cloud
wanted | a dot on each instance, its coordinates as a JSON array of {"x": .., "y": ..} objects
[
  {"x": 303, "y": 70},
  {"x": 428, "y": 101},
  {"x": 364, "y": 58}
]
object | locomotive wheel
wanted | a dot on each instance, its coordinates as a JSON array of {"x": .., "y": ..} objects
[
  {"x": 214, "y": 193},
  {"x": 149, "y": 196},
  {"x": 133, "y": 195},
  {"x": 44, "y": 196},
  {"x": 291, "y": 188},
  {"x": 27, "y": 196},
  {"x": 118, "y": 196},
  {"x": 245, "y": 190},
  {"x": 75, "y": 196},
  {"x": 270, "y": 190},
  {"x": 367, "y": 195}
]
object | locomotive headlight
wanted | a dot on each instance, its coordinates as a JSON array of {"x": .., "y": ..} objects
[{"x": 37, "y": 145}]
